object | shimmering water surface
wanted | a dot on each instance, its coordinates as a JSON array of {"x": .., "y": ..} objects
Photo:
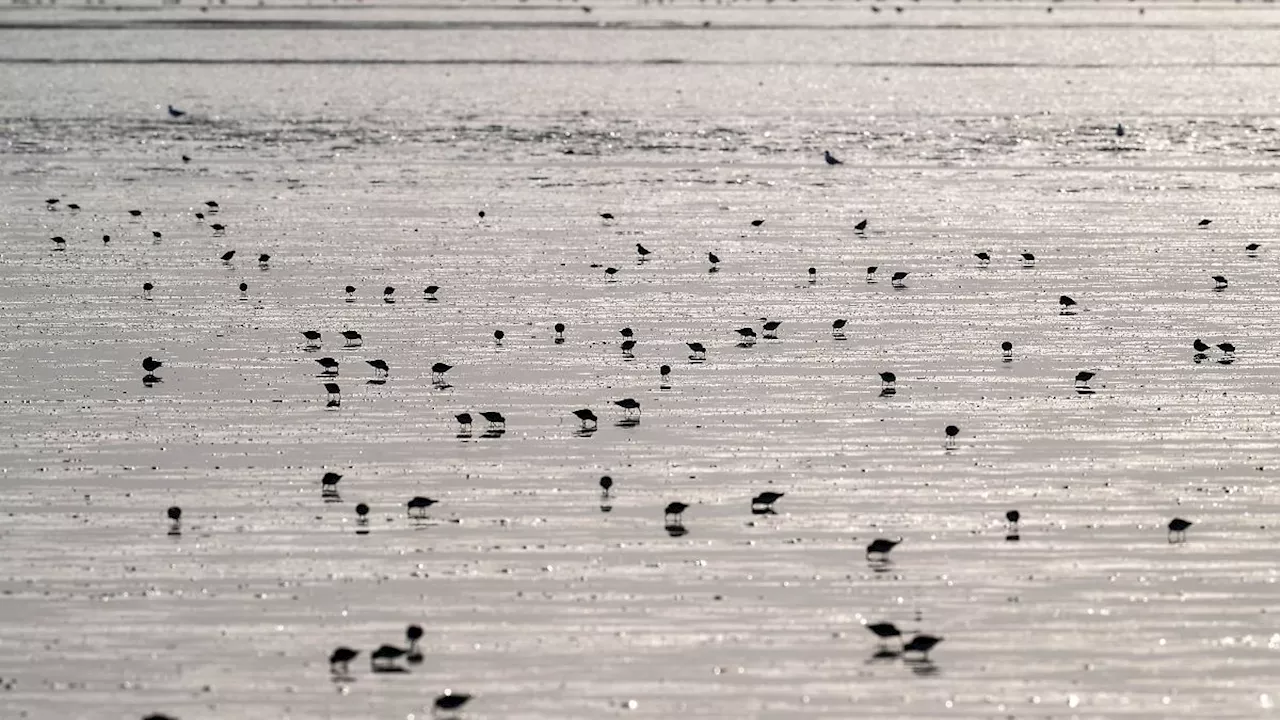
[{"x": 357, "y": 145}]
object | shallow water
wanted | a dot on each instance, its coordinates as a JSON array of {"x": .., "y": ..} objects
[{"x": 356, "y": 154}]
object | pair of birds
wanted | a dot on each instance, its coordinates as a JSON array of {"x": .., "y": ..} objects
[
  {"x": 1226, "y": 347},
  {"x": 496, "y": 419},
  {"x": 329, "y": 366},
  {"x": 919, "y": 643},
  {"x": 984, "y": 258},
  {"x": 675, "y": 511},
  {"x": 587, "y": 416}
]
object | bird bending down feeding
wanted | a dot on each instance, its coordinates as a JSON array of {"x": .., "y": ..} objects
[
  {"x": 629, "y": 405},
  {"x": 384, "y": 657},
  {"x": 1028, "y": 259},
  {"x": 328, "y": 365},
  {"x": 1066, "y": 302},
  {"x": 675, "y": 512},
  {"x": 881, "y": 546},
  {"x": 439, "y": 369},
  {"x": 1178, "y": 529},
  {"x": 451, "y": 701},
  {"x": 984, "y": 259},
  {"x": 1220, "y": 282},
  {"x": 353, "y": 337},
  {"x": 464, "y": 421},
  {"x": 747, "y": 334},
  {"x": 698, "y": 350},
  {"x": 495, "y": 418},
  {"x": 898, "y": 278},
  {"x": 1083, "y": 377},
  {"x": 888, "y": 379},
  {"x": 586, "y": 416},
  {"x": 380, "y": 366}
]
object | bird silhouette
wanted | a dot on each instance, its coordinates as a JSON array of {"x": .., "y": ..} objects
[
  {"x": 1220, "y": 282},
  {"x": 439, "y": 369},
  {"x": 606, "y": 484},
  {"x": 464, "y": 420},
  {"x": 1067, "y": 303},
  {"x": 342, "y": 657},
  {"x": 329, "y": 366},
  {"x": 330, "y": 479},
  {"x": 951, "y": 432},
  {"x": 352, "y": 337},
  {"x": 837, "y": 325},
  {"x": 1199, "y": 346},
  {"x": 494, "y": 418},
  {"x": 881, "y": 546},
  {"x": 175, "y": 112},
  {"x": 586, "y": 416},
  {"x": 150, "y": 364},
  {"x": 697, "y": 349},
  {"x": 380, "y": 366},
  {"x": 1204, "y": 222},
  {"x": 313, "y": 336},
  {"x": 226, "y": 256},
  {"x": 1006, "y": 348},
  {"x": 1083, "y": 377},
  {"x": 871, "y": 273},
  {"x": 861, "y": 225},
  {"x": 888, "y": 379},
  {"x": 766, "y": 500},
  {"x": 1028, "y": 259},
  {"x": 898, "y": 277},
  {"x": 1178, "y": 529},
  {"x": 831, "y": 159},
  {"x": 984, "y": 258},
  {"x": 643, "y": 252},
  {"x": 451, "y": 701},
  {"x": 922, "y": 644},
  {"x": 675, "y": 511},
  {"x": 884, "y": 631},
  {"x": 628, "y": 405},
  {"x": 417, "y": 507}
]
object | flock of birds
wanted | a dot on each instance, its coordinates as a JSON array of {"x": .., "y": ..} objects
[{"x": 385, "y": 659}]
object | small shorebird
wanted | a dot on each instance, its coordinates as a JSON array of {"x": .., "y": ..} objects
[
  {"x": 1200, "y": 345},
  {"x": 329, "y": 365},
  {"x": 813, "y": 275},
  {"x": 628, "y": 405},
  {"x": 313, "y": 336},
  {"x": 1006, "y": 348},
  {"x": 1252, "y": 247},
  {"x": 871, "y": 273},
  {"x": 606, "y": 484},
  {"x": 146, "y": 290},
  {"x": 606, "y": 216},
  {"x": 861, "y": 225},
  {"x": 342, "y": 656},
  {"x": 771, "y": 328},
  {"x": 838, "y": 325},
  {"x": 495, "y": 418},
  {"x": 888, "y": 379},
  {"x": 175, "y": 513},
  {"x": 1220, "y": 282},
  {"x": 429, "y": 292},
  {"x": 1227, "y": 348},
  {"x": 451, "y": 701},
  {"x": 559, "y": 328},
  {"x": 881, "y": 547},
  {"x": 586, "y": 416},
  {"x": 387, "y": 293},
  {"x": 175, "y": 112},
  {"x": 335, "y": 393},
  {"x": 497, "y": 336},
  {"x": 1067, "y": 303},
  {"x": 59, "y": 242},
  {"x": 353, "y": 337},
  {"x": 1013, "y": 517},
  {"x": 263, "y": 259},
  {"x": 984, "y": 259},
  {"x": 952, "y": 431},
  {"x": 922, "y": 644},
  {"x": 1178, "y": 529},
  {"x": 1204, "y": 222},
  {"x": 464, "y": 421},
  {"x": 150, "y": 364},
  {"x": 385, "y": 657},
  {"x": 747, "y": 334},
  {"x": 884, "y": 631},
  {"x": 380, "y": 366},
  {"x": 438, "y": 370},
  {"x": 757, "y": 223},
  {"x": 698, "y": 350},
  {"x": 226, "y": 256},
  {"x": 1028, "y": 259},
  {"x": 610, "y": 272},
  {"x": 350, "y": 290},
  {"x": 643, "y": 252},
  {"x": 664, "y": 373},
  {"x": 674, "y": 511},
  {"x": 766, "y": 500},
  {"x": 135, "y": 213},
  {"x": 898, "y": 277},
  {"x": 713, "y": 258},
  {"x": 419, "y": 504},
  {"x": 831, "y": 159},
  {"x": 627, "y": 332},
  {"x": 413, "y": 634},
  {"x": 1083, "y": 377},
  {"x": 330, "y": 480}
]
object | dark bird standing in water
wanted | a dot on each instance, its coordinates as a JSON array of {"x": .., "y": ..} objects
[
  {"x": 387, "y": 293},
  {"x": 335, "y": 393},
  {"x": 813, "y": 275},
  {"x": 1066, "y": 302},
  {"x": 898, "y": 277},
  {"x": 175, "y": 513},
  {"x": 59, "y": 242},
  {"x": 1220, "y": 282},
  {"x": 146, "y": 290},
  {"x": 420, "y": 505},
  {"x": 771, "y": 328},
  {"x": 881, "y": 546},
  {"x": 606, "y": 216},
  {"x": 1006, "y": 348},
  {"x": 226, "y": 256},
  {"x": 135, "y": 213},
  {"x": 626, "y": 332},
  {"x": 871, "y": 273},
  {"x": 922, "y": 644},
  {"x": 643, "y": 252},
  {"x": 1013, "y": 517},
  {"x": 984, "y": 259},
  {"x": 747, "y": 334},
  {"x": 498, "y": 335},
  {"x": 586, "y": 416},
  {"x": 951, "y": 431},
  {"x": 861, "y": 225},
  {"x": 1228, "y": 348},
  {"x": 494, "y": 417},
  {"x": 329, "y": 365},
  {"x": 350, "y": 290},
  {"x": 664, "y": 372},
  {"x": 1028, "y": 259},
  {"x": 464, "y": 421},
  {"x": 1252, "y": 247},
  {"x": 675, "y": 510},
  {"x": 838, "y": 325},
  {"x": 766, "y": 500},
  {"x": 439, "y": 369},
  {"x": 713, "y": 258},
  {"x": 312, "y": 336},
  {"x": 450, "y": 701},
  {"x": 628, "y": 404},
  {"x": 352, "y": 337},
  {"x": 884, "y": 631},
  {"x": 757, "y": 223},
  {"x": 559, "y": 328},
  {"x": 1204, "y": 222},
  {"x": 330, "y": 480},
  {"x": 413, "y": 634},
  {"x": 380, "y": 366},
  {"x": 342, "y": 656},
  {"x": 430, "y": 292},
  {"x": 831, "y": 159},
  {"x": 610, "y": 272},
  {"x": 175, "y": 112},
  {"x": 362, "y": 511},
  {"x": 150, "y": 364},
  {"x": 1200, "y": 346},
  {"x": 888, "y": 379},
  {"x": 1178, "y": 529},
  {"x": 1083, "y": 377},
  {"x": 384, "y": 657},
  {"x": 698, "y": 350},
  {"x": 606, "y": 484}
]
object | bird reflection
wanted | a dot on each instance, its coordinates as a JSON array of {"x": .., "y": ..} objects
[
  {"x": 493, "y": 432},
  {"x": 921, "y": 666},
  {"x": 586, "y": 431},
  {"x": 676, "y": 529},
  {"x": 330, "y": 495},
  {"x": 628, "y": 422},
  {"x": 151, "y": 380},
  {"x": 883, "y": 655}
]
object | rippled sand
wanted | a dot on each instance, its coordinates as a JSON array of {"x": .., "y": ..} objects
[{"x": 539, "y": 596}]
